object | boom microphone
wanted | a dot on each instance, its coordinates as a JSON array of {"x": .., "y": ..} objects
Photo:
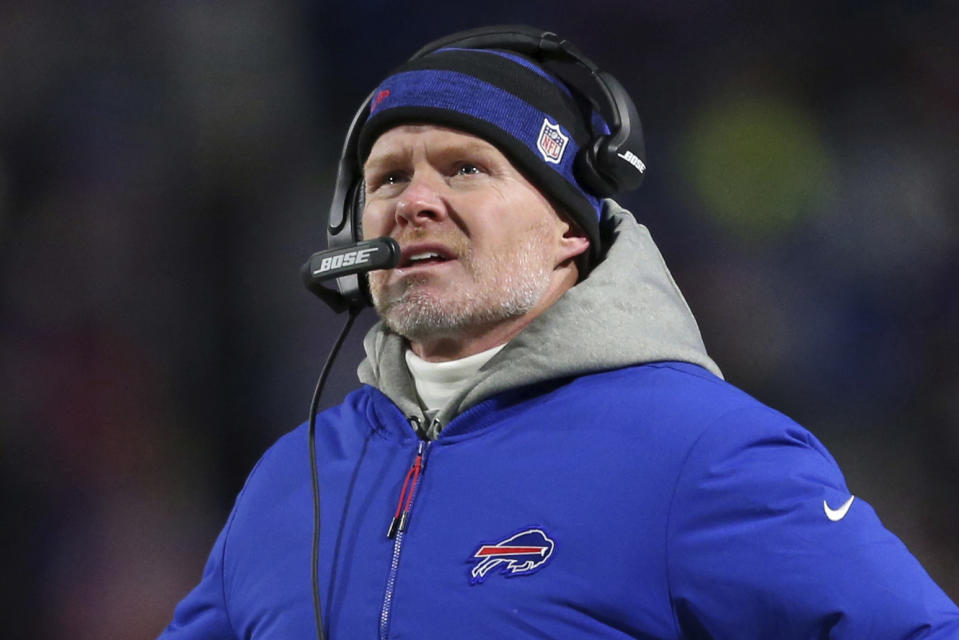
[{"x": 369, "y": 255}]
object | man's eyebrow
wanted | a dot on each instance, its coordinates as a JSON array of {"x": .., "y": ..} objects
[
  {"x": 391, "y": 158},
  {"x": 386, "y": 159}
]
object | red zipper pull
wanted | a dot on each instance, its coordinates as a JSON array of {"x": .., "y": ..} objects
[{"x": 402, "y": 515}]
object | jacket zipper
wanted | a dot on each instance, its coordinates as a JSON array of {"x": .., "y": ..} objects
[{"x": 397, "y": 531}]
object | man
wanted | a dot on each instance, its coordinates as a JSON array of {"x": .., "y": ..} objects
[{"x": 542, "y": 446}]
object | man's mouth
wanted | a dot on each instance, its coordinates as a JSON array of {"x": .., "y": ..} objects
[{"x": 421, "y": 256}]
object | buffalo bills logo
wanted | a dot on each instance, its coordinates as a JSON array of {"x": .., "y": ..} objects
[
  {"x": 551, "y": 142},
  {"x": 521, "y": 554}
]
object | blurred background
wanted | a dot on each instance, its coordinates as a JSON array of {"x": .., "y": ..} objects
[{"x": 166, "y": 167}]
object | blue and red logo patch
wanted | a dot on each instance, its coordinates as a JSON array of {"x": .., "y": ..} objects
[
  {"x": 551, "y": 142},
  {"x": 520, "y": 554}
]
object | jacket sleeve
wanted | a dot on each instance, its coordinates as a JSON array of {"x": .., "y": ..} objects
[
  {"x": 764, "y": 543},
  {"x": 202, "y": 614}
]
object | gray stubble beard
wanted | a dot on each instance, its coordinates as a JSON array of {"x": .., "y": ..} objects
[{"x": 508, "y": 293}]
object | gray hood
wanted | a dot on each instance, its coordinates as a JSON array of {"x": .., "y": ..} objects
[{"x": 628, "y": 311}]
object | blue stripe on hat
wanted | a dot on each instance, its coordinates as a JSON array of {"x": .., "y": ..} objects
[{"x": 462, "y": 93}]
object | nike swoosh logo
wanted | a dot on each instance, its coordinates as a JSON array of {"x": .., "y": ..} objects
[{"x": 838, "y": 514}]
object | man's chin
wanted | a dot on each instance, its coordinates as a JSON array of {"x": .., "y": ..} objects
[{"x": 419, "y": 319}]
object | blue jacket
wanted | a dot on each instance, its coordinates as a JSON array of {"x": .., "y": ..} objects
[
  {"x": 596, "y": 479},
  {"x": 650, "y": 502}
]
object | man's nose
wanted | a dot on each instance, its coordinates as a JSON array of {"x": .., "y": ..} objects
[{"x": 420, "y": 203}]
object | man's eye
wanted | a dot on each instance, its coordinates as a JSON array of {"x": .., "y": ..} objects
[
  {"x": 467, "y": 169},
  {"x": 386, "y": 179}
]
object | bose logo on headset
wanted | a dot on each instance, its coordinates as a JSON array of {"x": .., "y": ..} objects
[
  {"x": 634, "y": 160},
  {"x": 358, "y": 257}
]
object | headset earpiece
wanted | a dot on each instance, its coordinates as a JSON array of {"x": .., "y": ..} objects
[{"x": 614, "y": 162}]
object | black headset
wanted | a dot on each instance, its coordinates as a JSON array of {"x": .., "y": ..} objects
[{"x": 610, "y": 163}]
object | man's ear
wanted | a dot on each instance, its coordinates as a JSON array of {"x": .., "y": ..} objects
[
  {"x": 574, "y": 243},
  {"x": 574, "y": 246}
]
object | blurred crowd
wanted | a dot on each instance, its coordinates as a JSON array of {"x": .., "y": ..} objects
[{"x": 166, "y": 167}]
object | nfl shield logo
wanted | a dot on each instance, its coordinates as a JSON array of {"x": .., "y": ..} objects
[{"x": 551, "y": 142}]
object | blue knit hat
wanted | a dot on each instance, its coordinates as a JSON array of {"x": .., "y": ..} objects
[{"x": 507, "y": 100}]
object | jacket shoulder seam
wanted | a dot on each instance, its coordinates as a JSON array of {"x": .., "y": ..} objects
[{"x": 672, "y": 501}]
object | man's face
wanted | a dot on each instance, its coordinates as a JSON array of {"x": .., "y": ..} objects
[{"x": 482, "y": 249}]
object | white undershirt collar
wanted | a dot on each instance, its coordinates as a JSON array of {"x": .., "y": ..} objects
[{"x": 437, "y": 382}]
